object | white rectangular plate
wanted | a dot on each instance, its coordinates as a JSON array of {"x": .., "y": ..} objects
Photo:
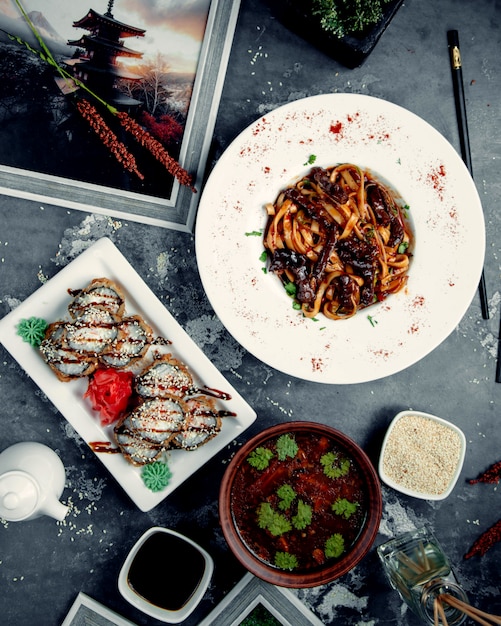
[{"x": 50, "y": 302}]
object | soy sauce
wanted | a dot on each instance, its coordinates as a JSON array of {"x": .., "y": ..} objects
[{"x": 166, "y": 571}]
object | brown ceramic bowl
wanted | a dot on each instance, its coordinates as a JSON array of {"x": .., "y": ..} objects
[{"x": 310, "y": 510}]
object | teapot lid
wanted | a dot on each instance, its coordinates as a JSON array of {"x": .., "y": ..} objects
[{"x": 19, "y": 495}]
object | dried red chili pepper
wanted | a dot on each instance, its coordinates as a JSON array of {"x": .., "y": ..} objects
[
  {"x": 491, "y": 536},
  {"x": 491, "y": 475},
  {"x": 486, "y": 540}
]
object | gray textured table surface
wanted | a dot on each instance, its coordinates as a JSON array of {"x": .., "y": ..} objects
[{"x": 43, "y": 565}]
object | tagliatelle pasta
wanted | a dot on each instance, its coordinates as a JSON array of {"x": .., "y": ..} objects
[{"x": 339, "y": 240}]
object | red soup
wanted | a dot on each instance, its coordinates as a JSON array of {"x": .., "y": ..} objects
[{"x": 298, "y": 501}]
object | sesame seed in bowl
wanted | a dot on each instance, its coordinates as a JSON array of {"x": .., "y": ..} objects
[{"x": 422, "y": 455}]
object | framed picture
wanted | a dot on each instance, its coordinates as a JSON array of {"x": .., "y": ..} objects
[
  {"x": 85, "y": 611},
  {"x": 160, "y": 64},
  {"x": 253, "y": 601}
]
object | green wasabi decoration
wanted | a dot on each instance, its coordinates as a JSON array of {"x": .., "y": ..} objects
[
  {"x": 32, "y": 330},
  {"x": 156, "y": 476}
]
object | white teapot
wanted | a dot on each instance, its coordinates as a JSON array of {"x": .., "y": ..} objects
[{"x": 32, "y": 480}]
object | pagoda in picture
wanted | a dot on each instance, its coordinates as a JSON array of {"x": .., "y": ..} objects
[{"x": 97, "y": 63}]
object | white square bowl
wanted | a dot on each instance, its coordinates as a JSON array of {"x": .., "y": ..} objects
[
  {"x": 419, "y": 444},
  {"x": 169, "y": 567}
]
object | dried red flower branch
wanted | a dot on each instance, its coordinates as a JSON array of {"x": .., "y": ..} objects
[
  {"x": 156, "y": 149},
  {"x": 108, "y": 137}
]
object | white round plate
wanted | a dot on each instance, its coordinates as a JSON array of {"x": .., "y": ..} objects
[{"x": 400, "y": 149}]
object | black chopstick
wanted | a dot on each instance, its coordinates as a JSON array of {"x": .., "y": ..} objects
[
  {"x": 498, "y": 364},
  {"x": 464, "y": 139}
]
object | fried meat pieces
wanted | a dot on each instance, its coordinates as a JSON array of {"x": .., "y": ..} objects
[
  {"x": 168, "y": 410},
  {"x": 98, "y": 333},
  {"x": 167, "y": 416}
]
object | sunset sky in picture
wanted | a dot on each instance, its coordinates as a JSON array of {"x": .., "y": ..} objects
[{"x": 174, "y": 28}]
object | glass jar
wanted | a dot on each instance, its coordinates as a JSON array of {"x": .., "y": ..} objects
[{"x": 418, "y": 569}]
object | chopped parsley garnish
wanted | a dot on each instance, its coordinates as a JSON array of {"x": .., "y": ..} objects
[
  {"x": 286, "y": 447},
  {"x": 334, "y": 466},
  {"x": 272, "y": 521},
  {"x": 304, "y": 511},
  {"x": 302, "y": 519},
  {"x": 344, "y": 507},
  {"x": 287, "y": 495},
  {"x": 372, "y": 320},
  {"x": 334, "y": 546},
  {"x": 311, "y": 159},
  {"x": 285, "y": 560},
  {"x": 260, "y": 458},
  {"x": 290, "y": 289},
  {"x": 403, "y": 247},
  {"x": 263, "y": 257},
  {"x": 254, "y": 233}
]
